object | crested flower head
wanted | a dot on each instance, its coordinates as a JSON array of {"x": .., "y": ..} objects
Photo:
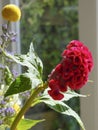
[
  {"x": 73, "y": 71},
  {"x": 11, "y": 13}
]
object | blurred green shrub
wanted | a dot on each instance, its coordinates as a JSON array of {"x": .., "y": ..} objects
[{"x": 50, "y": 24}]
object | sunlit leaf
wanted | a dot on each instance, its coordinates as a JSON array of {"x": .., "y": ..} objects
[
  {"x": 26, "y": 124},
  {"x": 33, "y": 58},
  {"x": 32, "y": 78},
  {"x": 71, "y": 94},
  {"x": 30, "y": 60},
  {"x": 20, "y": 84},
  {"x": 4, "y": 127},
  {"x": 62, "y": 107}
]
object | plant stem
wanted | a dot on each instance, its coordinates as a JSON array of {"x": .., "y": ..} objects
[{"x": 27, "y": 105}]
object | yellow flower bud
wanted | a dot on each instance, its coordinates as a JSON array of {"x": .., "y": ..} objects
[{"x": 11, "y": 12}]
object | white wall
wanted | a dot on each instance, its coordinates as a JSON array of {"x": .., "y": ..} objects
[{"x": 88, "y": 32}]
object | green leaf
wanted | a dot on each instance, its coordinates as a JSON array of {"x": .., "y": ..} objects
[
  {"x": 32, "y": 78},
  {"x": 33, "y": 58},
  {"x": 62, "y": 107},
  {"x": 33, "y": 63},
  {"x": 30, "y": 60},
  {"x": 35, "y": 79},
  {"x": 4, "y": 127},
  {"x": 71, "y": 94},
  {"x": 20, "y": 84},
  {"x": 26, "y": 124},
  {"x": 36, "y": 101}
]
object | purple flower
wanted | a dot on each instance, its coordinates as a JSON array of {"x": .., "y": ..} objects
[
  {"x": 13, "y": 39},
  {"x": 2, "y": 102},
  {"x": 12, "y": 36},
  {"x": 9, "y": 111},
  {"x": 15, "y": 73}
]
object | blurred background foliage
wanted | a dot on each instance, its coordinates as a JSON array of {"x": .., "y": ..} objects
[{"x": 50, "y": 25}]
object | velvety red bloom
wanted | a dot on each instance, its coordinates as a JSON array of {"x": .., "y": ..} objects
[
  {"x": 73, "y": 71},
  {"x": 56, "y": 73},
  {"x": 55, "y": 91},
  {"x": 74, "y": 43},
  {"x": 78, "y": 52},
  {"x": 55, "y": 94}
]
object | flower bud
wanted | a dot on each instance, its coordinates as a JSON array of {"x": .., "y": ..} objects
[{"x": 11, "y": 13}]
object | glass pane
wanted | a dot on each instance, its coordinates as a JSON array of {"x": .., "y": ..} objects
[{"x": 50, "y": 25}]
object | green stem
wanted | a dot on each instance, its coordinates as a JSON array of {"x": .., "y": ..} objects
[{"x": 27, "y": 105}]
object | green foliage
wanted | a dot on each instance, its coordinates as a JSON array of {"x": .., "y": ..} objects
[
  {"x": 62, "y": 107},
  {"x": 52, "y": 24},
  {"x": 28, "y": 80},
  {"x": 18, "y": 85},
  {"x": 26, "y": 124},
  {"x": 25, "y": 82}
]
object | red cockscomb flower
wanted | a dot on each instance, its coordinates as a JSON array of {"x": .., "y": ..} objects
[{"x": 73, "y": 70}]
